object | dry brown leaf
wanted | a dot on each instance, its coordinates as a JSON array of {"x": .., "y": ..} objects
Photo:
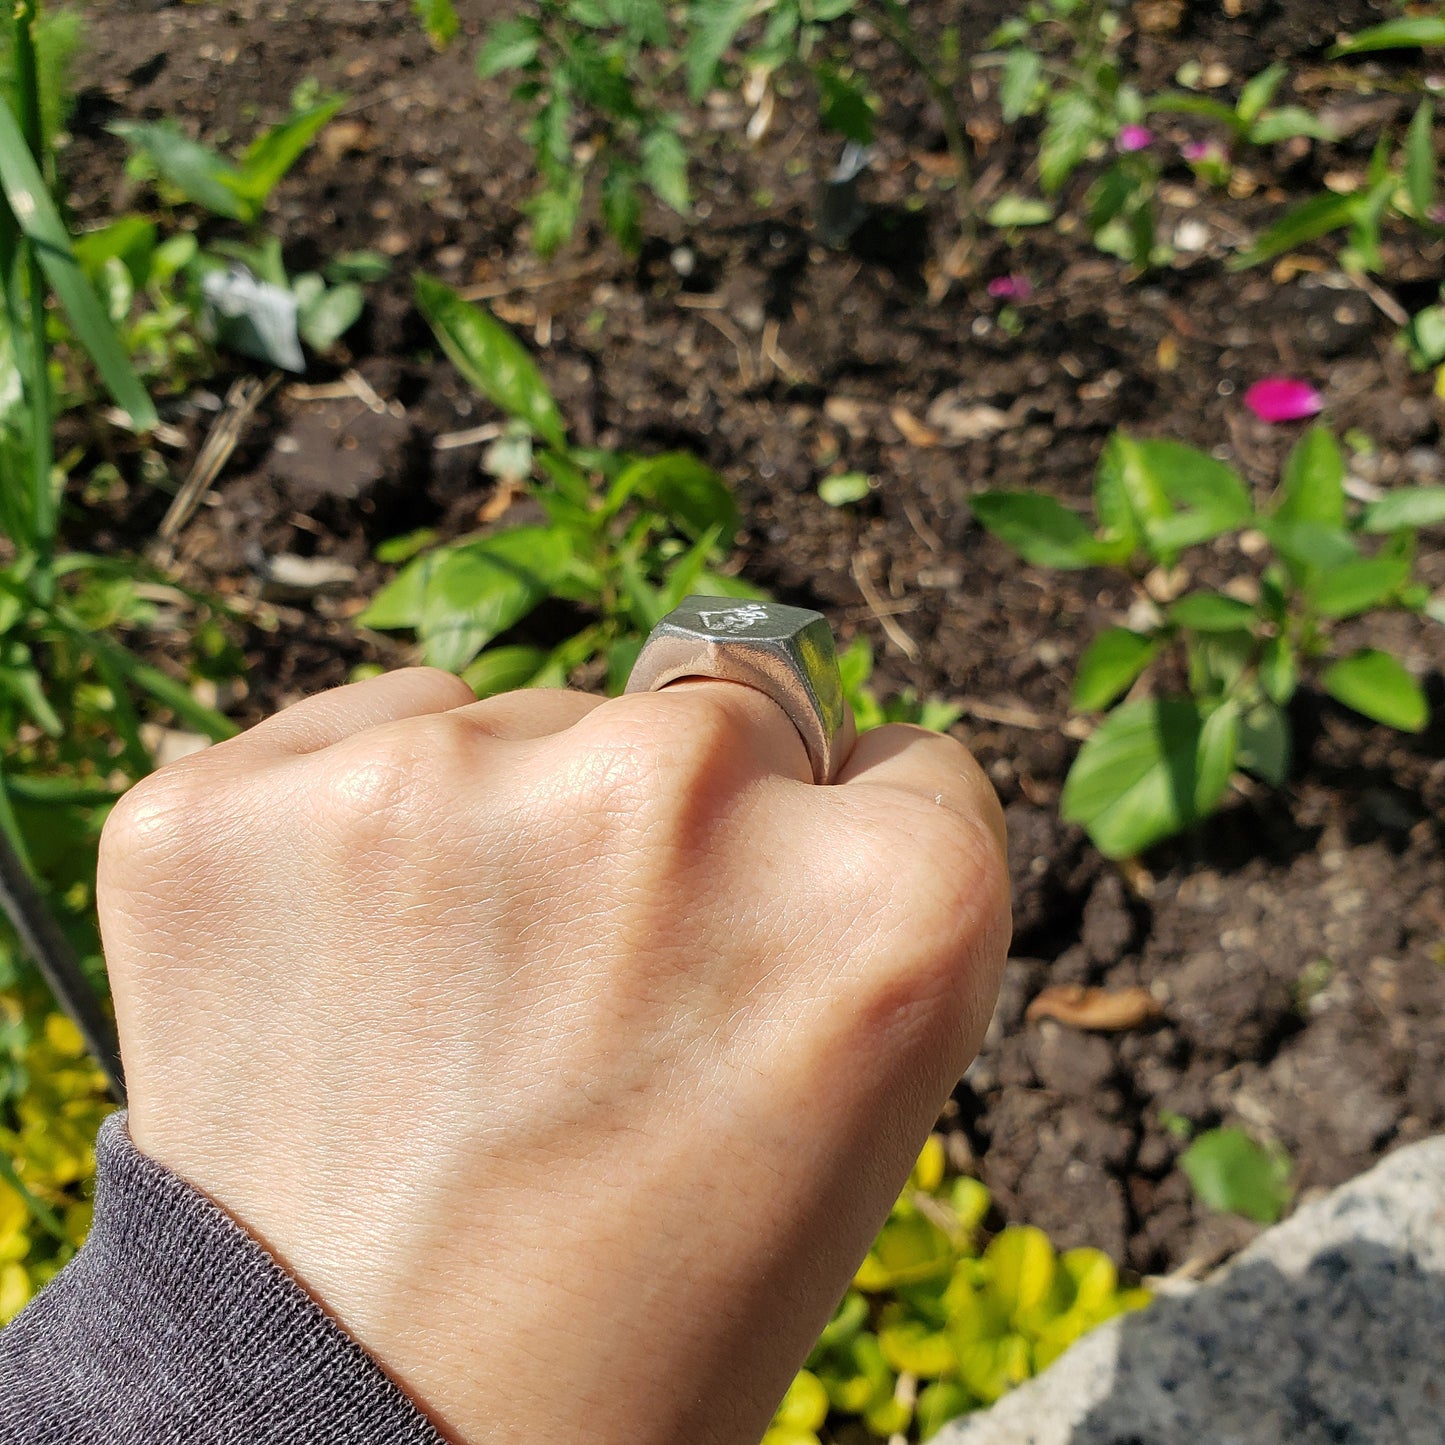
[
  {"x": 913, "y": 431},
  {"x": 1106, "y": 1009}
]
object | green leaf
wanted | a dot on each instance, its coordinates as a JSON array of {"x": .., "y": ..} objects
[
  {"x": 1377, "y": 685},
  {"x": 844, "y": 105},
  {"x": 1022, "y": 1266},
  {"x": 195, "y": 170},
  {"x": 480, "y": 589},
  {"x": 1278, "y": 670},
  {"x": 1114, "y": 659},
  {"x": 438, "y": 19},
  {"x": 1309, "y": 547},
  {"x": 554, "y": 207},
  {"x": 324, "y": 320},
  {"x": 1406, "y": 33},
  {"x": 1012, "y": 209},
  {"x": 663, "y": 161},
  {"x": 1229, "y": 1171},
  {"x": 1213, "y": 612},
  {"x": 35, "y": 212},
  {"x": 1023, "y": 69},
  {"x": 1356, "y": 586},
  {"x": 501, "y": 669},
  {"x": 713, "y": 25},
  {"x": 846, "y": 487},
  {"x": 1308, "y": 221},
  {"x": 1312, "y": 487},
  {"x": 690, "y": 495},
  {"x": 1258, "y": 91},
  {"x": 1406, "y": 507},
  {"x": 399, "y": 603},
  {"x": 491, "y": 358},
  {"x": 1179, "y": 496},
  {"x": 622, "y": 205},
  {"x": 1039, "y": 528},
  {"x": 1264, "y": 742},
  {"x": 1183, "y": 102},
  {"x": 1150, "y": 770},
  {"x": 509, "y": 45},
  {"x": 1072, "y": 127},
  {"x": 1424, "y": 338},
  {"x": 1285, "y": 123},
  {"x": 272, "y": 154}
]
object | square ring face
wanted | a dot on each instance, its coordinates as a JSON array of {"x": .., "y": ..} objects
[{"x": 729, "y": 618}]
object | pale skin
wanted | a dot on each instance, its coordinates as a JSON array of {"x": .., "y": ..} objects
[{"x": 568, "y": 1051}]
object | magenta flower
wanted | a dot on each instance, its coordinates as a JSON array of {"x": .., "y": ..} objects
[
  {"x": 1436, "y": 213},
  {"x": 1202, "y": 150},
  {"x": 1283, "y": 398},
  {"x": 1013, "y": 287},
  {"x": 1134, "y": 137}
]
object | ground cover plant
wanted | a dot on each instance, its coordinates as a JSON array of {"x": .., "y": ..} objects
[{"x": 1271, "y": 977}]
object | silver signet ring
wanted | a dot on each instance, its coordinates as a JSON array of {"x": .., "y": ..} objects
[{"x": 785, "y": 652}]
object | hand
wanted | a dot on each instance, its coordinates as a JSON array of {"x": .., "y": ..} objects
[{"x": 569, "y": 1051}]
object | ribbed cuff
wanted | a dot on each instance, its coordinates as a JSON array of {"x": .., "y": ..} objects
[{"x": 172, "y": 1326}]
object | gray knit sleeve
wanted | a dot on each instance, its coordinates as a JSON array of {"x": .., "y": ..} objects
[{"x": 172, "y": 1326}]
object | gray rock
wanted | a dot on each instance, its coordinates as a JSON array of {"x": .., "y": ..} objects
[{"x": 1329, "y": 1328}]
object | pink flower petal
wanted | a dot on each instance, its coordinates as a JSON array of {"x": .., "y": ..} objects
[
  {"x": 1013, "y": 287},
  {"x": 1201, "y": 150},
  {"x": 1134, "y": 137},
  {"x": 1283, "y": 398}
]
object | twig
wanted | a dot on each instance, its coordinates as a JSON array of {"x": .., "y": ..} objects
[
  {"x": 926, "y": 534},
  {"x": 41, "y": 935},
  {"x": 487, "y": 290},
  {"x": 879, "y": 608},
  {"x": 473, "y": 436},
  {"x": 740, "y": 345},
  {"x": 1382, "y": 299},
  {"x": 245, "y": 395}
]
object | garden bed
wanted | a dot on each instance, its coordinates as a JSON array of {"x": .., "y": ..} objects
[{"x": 1295, "y": 943}]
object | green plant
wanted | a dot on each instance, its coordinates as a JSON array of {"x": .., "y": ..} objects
[
  {"x": 627, "y": 537},
  {"x": 1405, "y": 32},
  {"x": 239, "y": 189},
  {"x": 1230, "y": 1171},
  {"x": 618, "y": 71},
  {"x": 1253, "y": 119},
  {"x": 72, "y": 695},
  {"x": 1400, "y": 183},
  {"x": 1156, "y": 764},
  {"x": 935, "y": 1326}
]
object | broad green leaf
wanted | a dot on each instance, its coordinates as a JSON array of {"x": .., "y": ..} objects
[
  {"x": 1217, "y": 661},
  {"x": 1309, "y": 547},
  {"x": 509, "y": 45},
  {"x": 713, "y": 25},
  {"x": 1039, "y": 528},
  {"x": 1012, "y": 209},
  {"x": 1258, "y": 91},
  {"x": 1072, "y": 126},
  {"x": 916, "y": 1347},
  {"x": 1308, "y": 221},
  {"x": 1264, "y": 742},
  {"x": 1278, "y": 670},
  {"x": 689, "y": 494},
  {"x": 1424, "y": 338},
  {"x": 908, "y": 1250},
  {"x": 1406, "y": 507},
  {"x": 35, "y": 213},
  {"x": 1356, "y": 586},
  {"x": 1229, "y": 1171},
  {"x": 1022, "y": 1265},
  {"x": 1213, "y": 612},
  {"x": 399, "y": 603},
  {"x": 663, "y": 162},
  {"x": 501, "y": 669},
  {"x": 329, "y": 315},
  {"x": 439, "y": 20},
  {"x": 1113, "y": 660},
  {"x": 272, "y": 154},
  {"x": 1377, "y": 685},
  {"x": 1023, "y": 69},
  {"x": 844, "y": 105},
  {"x": 1286, "y": 122},
  {"x": 1312, "y": 487},
  {"x": 939, "y": 1402},
  {"x": 480, "y": 589},
  {"x": 805, "y": 1406},
  {"x": 1405, "y": 33},
  {"x": 195, "y": 170},
  {"x": 1151, "y": 769},
  {"x": 846, "y": 487},
  {"x": 491, "y": 358},
  {"x": 131, "y": 240},
  {"x": 1178, "y": 495}
]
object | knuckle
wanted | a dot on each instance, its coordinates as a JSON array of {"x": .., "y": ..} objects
[
  {"x": 157, "y": 815},
  {"x": 398, "y": 769},
  {"x": 444, "y": 689}
]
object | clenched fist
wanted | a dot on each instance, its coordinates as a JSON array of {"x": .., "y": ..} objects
[{"x": 569, "y": 1051}]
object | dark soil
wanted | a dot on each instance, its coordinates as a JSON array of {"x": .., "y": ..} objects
[{"x": 1295, "y": 944}]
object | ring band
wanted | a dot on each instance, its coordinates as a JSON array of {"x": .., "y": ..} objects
[{"x": 785, "y": 652}]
